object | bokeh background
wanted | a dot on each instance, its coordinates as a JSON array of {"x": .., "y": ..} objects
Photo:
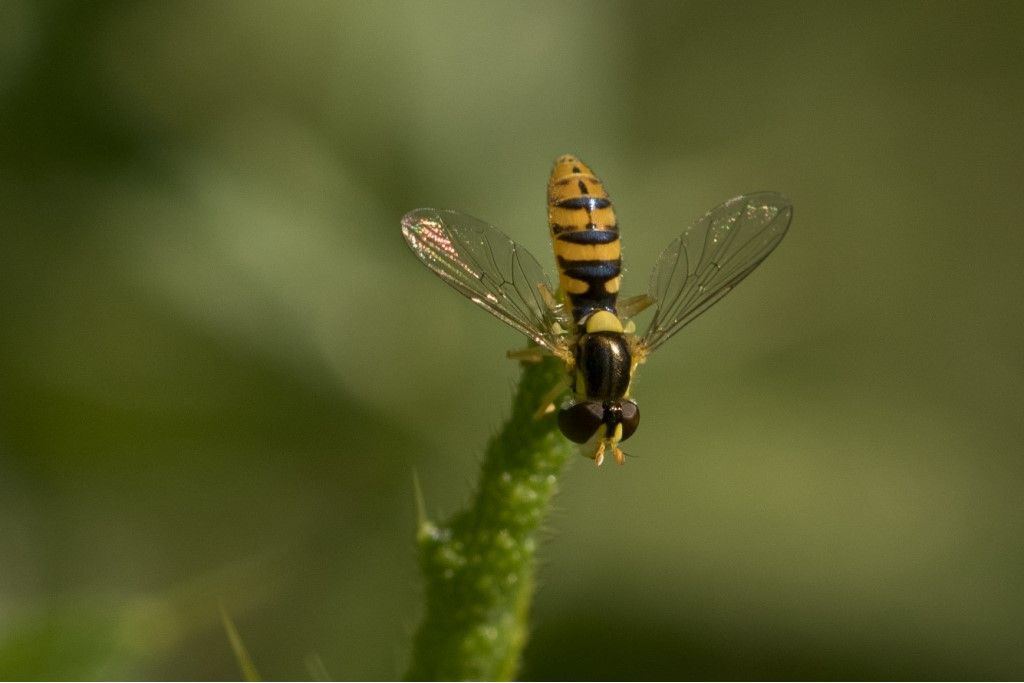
[{"x": 220, "y": 366}]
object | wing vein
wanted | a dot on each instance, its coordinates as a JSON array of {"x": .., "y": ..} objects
[
  {"x": 733, "y": 239},
  {"x": 487, "y": 267}
]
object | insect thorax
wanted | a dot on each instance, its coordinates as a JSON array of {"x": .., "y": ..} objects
[{"x": 603, "y": 366}]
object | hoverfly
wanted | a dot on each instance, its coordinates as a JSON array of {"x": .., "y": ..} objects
[{"x": 583, "y": 322}]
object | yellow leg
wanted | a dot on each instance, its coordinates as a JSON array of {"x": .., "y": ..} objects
[
  {"x": 628, "y": 308},
  {"x": 599, "y": 454},
  {"x": 531, "y": 354},
  {"x": 547, "y": 402},
  {"x": 548, "y": 296}
]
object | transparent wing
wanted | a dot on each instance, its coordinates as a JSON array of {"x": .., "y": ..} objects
[
  {"x": 711, "y": 257},
  {"x": 487, "y": 267}
]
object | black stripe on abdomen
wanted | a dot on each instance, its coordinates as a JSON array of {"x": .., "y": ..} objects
[
  {"x": 584, "y": 202},
  {"x": 595, "y": 299},
  {"x": 589, "y": 236},
  {"x": 590, "y": 271}
]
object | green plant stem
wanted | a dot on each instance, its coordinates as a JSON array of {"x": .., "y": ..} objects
[{"x": 479, "y": 567}]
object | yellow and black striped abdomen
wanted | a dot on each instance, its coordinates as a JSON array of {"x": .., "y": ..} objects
[{"x": 585, "y": 237}]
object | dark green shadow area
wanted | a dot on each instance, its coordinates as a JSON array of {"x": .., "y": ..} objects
[{"x": 621, "y": 646}]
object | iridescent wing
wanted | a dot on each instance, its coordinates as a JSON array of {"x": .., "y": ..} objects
[
  {"x": 711, "y": 257},
  {"x": 490, "y": 269}
]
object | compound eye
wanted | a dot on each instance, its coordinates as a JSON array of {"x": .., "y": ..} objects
[
  {"x": 630, "y": 418},
  {"x": 580, "y": 421}
]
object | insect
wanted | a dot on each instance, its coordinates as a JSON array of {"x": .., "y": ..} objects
[{"x": 583, "y": 322}]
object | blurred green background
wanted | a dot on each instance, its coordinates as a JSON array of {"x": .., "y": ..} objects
[{"x": 219, "y": 364}]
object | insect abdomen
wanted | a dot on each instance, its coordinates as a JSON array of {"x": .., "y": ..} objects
[{"x": 585, "y": 237}]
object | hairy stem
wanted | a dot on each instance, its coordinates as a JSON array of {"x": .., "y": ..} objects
[{"x": 479, "y": 566}]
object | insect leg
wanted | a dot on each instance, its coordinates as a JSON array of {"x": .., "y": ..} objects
[
  {"x": 628, "y": 308},
  {"x": 548, "y": 296},
  {"x": 531, "y": 354},
  {"x": 547, "y": 402}
]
